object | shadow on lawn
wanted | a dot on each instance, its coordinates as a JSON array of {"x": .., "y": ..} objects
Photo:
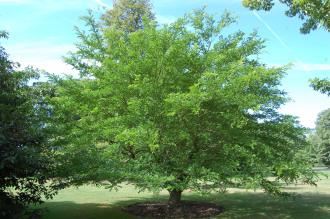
[
  {"x": 72, "y": 210},
  {"x": 237, "y": 205},
  {"x": 260, "y": 205}
]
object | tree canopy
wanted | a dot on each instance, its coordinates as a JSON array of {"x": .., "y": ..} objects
[
  {"x": 176, "y": 107},
  {"x": 315, "y": 13},
  {"x": 25, "y": 164},
  {"x": 128, "y": 14}
]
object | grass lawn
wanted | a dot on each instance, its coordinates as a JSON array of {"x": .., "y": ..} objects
[{"x": 90, "y": 202}]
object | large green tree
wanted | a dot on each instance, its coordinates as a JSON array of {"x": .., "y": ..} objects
[
  {"x": 176, "y": 107},
  {"x": 315, "y": 13},
  {"x": 25, "y": 164}
]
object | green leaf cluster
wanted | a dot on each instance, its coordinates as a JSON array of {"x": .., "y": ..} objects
[{"x": 322, "y": 85}]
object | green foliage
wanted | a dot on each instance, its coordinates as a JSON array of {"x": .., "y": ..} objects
[
  {"x": 3, "y": 34},
  {"x": 90, "y": 47},
  {"x": 24, "y": 158},
  {"x": 177, "y": 107},
  {"x": 323, "y": 134},
  {"x": 315, "y": 13},
  {"x": 322, "y": 85},
  {"x": 314, "y": 148},
  {"x": 258, "y": 5},
  {"x": 128, "y": 14}
]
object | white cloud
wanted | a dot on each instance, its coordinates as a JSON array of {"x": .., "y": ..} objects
[
  {"x": 165, "y": 19},
  {"x": 14, "y": 1},
  {"x": 306, "y": 67},
  {"x": 57, "y": 5},
  {"x": 42, "y": 48},
  {"x": 56, "y": 66},
  {"x": 306, "y": 113},
  {"x": 43, "y": 55},
  {"x": 101, "y": 3}
]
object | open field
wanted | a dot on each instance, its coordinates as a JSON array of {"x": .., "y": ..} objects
[{"x": 90, "y": 202}]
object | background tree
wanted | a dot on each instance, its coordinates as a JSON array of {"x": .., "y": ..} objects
[
  {"x": 314, "y": 147},
  {"x": 323, "y": 134},
  {"x": 315, "y": 13},
  {"x": 321, "y": 139},
  {"x": 128, "y": 14},
  {"x": 24, "y": 158},
  {"x": 178, "y": 107}
]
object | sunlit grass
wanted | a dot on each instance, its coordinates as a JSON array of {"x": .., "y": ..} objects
[{"x": 89, "y": 202}]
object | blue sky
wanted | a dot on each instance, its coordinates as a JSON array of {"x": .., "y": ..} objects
[{"x": 41, "y": 32}]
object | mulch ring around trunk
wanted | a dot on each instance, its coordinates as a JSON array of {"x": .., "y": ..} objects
[{"x": 185, "y": 209}]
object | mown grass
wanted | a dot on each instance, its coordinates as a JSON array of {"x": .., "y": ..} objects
[{"x": 90, "y": 202}]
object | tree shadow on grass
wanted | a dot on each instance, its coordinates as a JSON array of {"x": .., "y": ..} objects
[
  {"x": 260, "y": 205},
  {"x": 236, "y": 205},
  {"x": 72, "y": 210}
]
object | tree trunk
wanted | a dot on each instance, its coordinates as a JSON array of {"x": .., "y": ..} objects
[{"x": 175, "y": 196}]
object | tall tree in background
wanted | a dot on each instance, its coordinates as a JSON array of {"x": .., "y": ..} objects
[
  {"x": 315, "y": 13},
  {"x": 177, "y": 107},
  {"x": 314, "y": 147},
  {"x": 323, "y": 134},
  {"x": 128, "y": 14},
  {"x": 24, "y": 160}
]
